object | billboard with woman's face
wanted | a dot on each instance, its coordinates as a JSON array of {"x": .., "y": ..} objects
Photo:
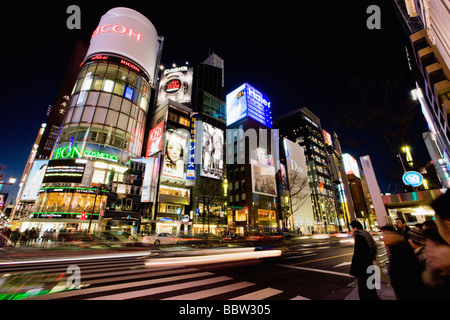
[{"x": 174, "y": 159}]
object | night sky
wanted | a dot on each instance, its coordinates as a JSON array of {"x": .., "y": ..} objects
[{"x": 299, "y": 54}]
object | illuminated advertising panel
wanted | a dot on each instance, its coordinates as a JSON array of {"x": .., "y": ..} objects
[
  {"x": 298, "y": 181},
  {"x": 190, "y": 169},
  {"x": 263, "y": 180},
  {"x": 248, "y": 101},
  {"x": 174, "y": 160},
  {"x": 236, "y": 105},
  {"x": 176, "y": 84},
  {"x": 350, "y": 165},
  {"x": 327, "y": 137},
  {"x": 212, "y": 152},
  {"x": 150, "y": 179},
  {"x": 34, "y": 180},
  {"x": 64, "y": 171},
  {"x": 155, "y": 137}
]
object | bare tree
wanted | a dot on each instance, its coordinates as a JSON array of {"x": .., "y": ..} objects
[
  {"x": 383, "y": 120},
  {"x": 210, "y": 193},
  {"x": 298, "y": 192}
]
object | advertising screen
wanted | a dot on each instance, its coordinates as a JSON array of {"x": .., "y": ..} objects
[
  {"x": 248, "y": 101},
  {"x": 150, "y": 179},
  {"x": 350, "y": 165},
  {"x": 298, "y": 181},
  {"x": 174, "y": 160},
  {"x": 212, "y": 152},
  {"x": 263, "y": 180},
  {"x": 155, "y": 137},
  {"x": 64, "y": 171},
  {"x": 236, "y": 105},
  {"x": 34, "y": 180},
  {"x": 176, "y": 84}
]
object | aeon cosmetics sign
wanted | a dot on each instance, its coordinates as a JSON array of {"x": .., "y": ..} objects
[{"x": 127, "y": 33}]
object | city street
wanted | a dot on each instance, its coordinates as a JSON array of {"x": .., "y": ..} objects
[{"x": 307, "y": 269}]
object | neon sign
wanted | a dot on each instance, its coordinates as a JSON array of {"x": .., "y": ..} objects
[
  {"x": 74, "y": 153},
  {"x": 117, "y": 28}
]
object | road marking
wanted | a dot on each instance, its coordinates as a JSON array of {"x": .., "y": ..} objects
[
  {"x": 327, "y": 258},
  {"x": 317, "y": 270},
  {"x": 342, "y": 264},
  {"x": 300, "y": 298},
  {"x": 259, "y": 295},
  {"x": 301, "y": 256},
  {"x": 119, "y": 286},
  {"x": 153, "y": 291},
  {"x": 211, "y": 292}
]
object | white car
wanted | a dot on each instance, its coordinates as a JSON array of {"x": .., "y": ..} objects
[{"x": 160, "y": 238}]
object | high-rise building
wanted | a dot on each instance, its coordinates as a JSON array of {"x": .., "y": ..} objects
[
  {"x": 251, "y": 167},
  {"x": 304, "y": 127},
  {"x": 426, "y": 23},
  {"x": 103, "y": 126}
]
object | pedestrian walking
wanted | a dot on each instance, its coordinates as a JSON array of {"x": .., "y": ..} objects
[
  {"x": 402, "y": 227},
  {"x": 15, "y": 236},
  {"x": 365, "y": 252},
  {"x": 404, "y": 267}
]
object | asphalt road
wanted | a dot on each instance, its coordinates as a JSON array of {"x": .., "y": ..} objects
[{"x": 306, "y": 269}]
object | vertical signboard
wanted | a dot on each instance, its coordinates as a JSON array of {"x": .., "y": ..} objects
[
  {"x": 298, "y": 181},
  {"x": 374, "y": 190},
  {"x": 212, "y": 152},
  {"x": 155, "y": 138},
  {"x": 190, "y": 169},
  {"x": 150, "y": 179}
]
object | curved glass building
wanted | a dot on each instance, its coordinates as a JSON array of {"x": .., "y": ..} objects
[{"x": 104, "y": 122}]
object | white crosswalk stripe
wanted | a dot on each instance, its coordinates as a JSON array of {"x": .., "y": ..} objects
[{"x": 129, "y": 278}]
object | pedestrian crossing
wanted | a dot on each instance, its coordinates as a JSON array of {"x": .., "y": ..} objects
[{"x": 131, "y": 279}]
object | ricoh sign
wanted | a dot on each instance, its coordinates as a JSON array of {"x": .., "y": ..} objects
[{"x": 127, "y": 33}]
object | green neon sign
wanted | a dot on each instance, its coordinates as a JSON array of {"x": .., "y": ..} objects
[{"x": 74, "y": 153}]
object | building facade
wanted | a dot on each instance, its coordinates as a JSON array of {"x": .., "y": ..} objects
[
  {"x": 304, "y": 128},
  {"x": 103, "y": 126}
]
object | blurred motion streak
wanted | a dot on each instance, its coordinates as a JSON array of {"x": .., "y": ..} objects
[{"x": 214, "y": 258}]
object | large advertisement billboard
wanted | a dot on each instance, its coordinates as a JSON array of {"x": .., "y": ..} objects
[
  {"x": 176, "y": 84},
  {"x": 34, "y": 180},
  {"x": 212, "y": 152},
  {"x": 175, "y": 156},
  {"x": 350, "y": 165},
  {"x": 300, "y": 193},
  {"x": 248, "y": 101}
]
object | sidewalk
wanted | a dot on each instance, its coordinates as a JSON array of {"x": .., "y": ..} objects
[{"x": 386, "y": 292}]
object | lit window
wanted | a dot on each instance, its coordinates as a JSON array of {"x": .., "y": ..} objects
[{"x": 108, "y": 85}]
